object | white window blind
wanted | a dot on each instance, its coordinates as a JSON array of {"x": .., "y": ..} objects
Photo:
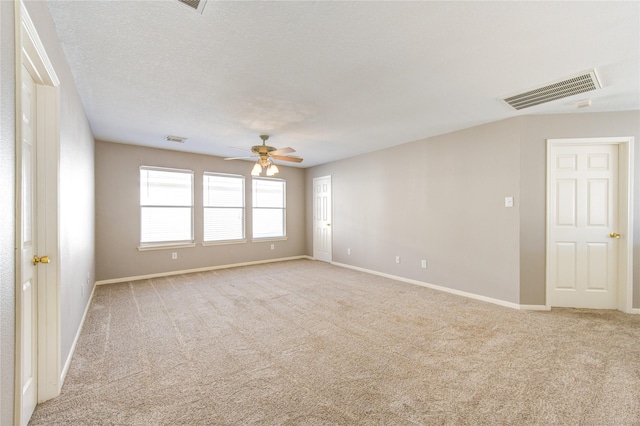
[
  {"x": 268, "y": 208},
  {"x": 223, "y": 202},
  {"x": 166, "y": 205}
]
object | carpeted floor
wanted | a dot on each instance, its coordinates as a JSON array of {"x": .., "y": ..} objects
[{"x": 308, "y": 343}]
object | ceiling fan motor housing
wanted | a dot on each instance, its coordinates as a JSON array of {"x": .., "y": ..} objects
[{"x": 262, "y": 149}]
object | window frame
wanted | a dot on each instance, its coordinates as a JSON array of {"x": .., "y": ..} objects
[
  {"x": 283, "y": 208},
  {"x": 243, "y": 239},
  {"x": 158, "y": 245}
]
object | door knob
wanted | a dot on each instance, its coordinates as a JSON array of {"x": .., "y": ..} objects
[
  {"x": 43, "y": 259},
  {"x": 328, "y": 224},
  {"x": 614, "y": 235}
]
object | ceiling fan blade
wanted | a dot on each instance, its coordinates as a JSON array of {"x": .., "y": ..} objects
[
  {"x": 240, "y": 158},
  {"x": 291, "y": 159},
  {"x": 282, "y": 151}
]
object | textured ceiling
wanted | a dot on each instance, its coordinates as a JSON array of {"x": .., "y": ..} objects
[{"x": 334, "y": 79}]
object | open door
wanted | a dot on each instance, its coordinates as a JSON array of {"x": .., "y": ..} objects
[{"x": 37, "y": 368}]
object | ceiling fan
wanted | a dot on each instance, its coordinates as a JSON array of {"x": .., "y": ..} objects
[{"x": 266, "y": 154}]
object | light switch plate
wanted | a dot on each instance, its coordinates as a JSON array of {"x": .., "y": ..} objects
[{"x": 508, "y": 201}]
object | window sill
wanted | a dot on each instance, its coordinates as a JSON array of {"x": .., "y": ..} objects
[
  {"x": 222, "y": 243},
  {"x": 165, "y": 246},
  {"x": 267, "y": 239}
]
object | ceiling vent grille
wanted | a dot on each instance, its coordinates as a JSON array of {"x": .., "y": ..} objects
[
  {"x": 177, "y": 139},
  {"x": 580, "y": 83},
  {"x": 197, "y": 5}
]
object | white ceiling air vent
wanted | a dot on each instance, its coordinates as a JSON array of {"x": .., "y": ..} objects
[
  {"x": 580, "y": 83},
  {"x": 176, "y": 139},
  {"x": 197, "y": 5}
]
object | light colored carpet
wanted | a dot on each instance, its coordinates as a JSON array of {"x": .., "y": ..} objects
[{"x": 308, "y": 343}]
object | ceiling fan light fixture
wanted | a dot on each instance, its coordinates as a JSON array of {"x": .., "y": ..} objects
[
  {"x": 272, "y": 169},
  {"x": 267, "y": 156}
]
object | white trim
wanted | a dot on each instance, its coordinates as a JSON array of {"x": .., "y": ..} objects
[
  {"x": 37, "y": 59},
  {"x": 625, "y": 205},
  {"x": 635, "y": 311},
  {"x": 535, "y": 308},
  {"x": 205, "y": 269},
  {"x": 31, "y": 53},
  {"x": 268, "y": 239},
  {"x": 165, "y": 246},
  {"x": 223, "y": 243},
  {"x": 435, "y": 287},
  {"x": 67, "y": 363}
]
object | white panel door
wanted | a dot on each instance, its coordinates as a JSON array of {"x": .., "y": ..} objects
[
  {"x": 322, "y": 234},
  {"x": 27, "y": 304},
  {"x": 583, "y": 223}
]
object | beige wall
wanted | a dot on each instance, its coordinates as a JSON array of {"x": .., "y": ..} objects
[
  {"x": 442, "y": 199},
  {"x": 118, "y": 214},
  {"x": 439, "y": 199}
]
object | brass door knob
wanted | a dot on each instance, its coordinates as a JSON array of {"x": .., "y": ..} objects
[
  {"x": 614, "y": 235},
  {"x": 43, "y": 259}
]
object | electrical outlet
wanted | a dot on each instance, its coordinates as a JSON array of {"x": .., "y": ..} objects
[
  {"x": 397, "y": 259},
  {"x": 348, "y": 251},
  {"x": 423, "y": 264},
  {"x": 174, "y": 255},
  {"x": 273, "y": 246}
]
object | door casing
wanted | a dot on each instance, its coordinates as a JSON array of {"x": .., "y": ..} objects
[
  {"x": 625, "y": 213},
  {"x": 30, "y": 52}
]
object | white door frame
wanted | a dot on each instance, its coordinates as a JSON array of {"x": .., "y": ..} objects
[
  {"x": 330, "y": 230},
  {"x": 30, "y": 52},
  {"x": 625, "y": 213}
]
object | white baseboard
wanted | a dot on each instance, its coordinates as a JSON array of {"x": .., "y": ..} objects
[
  {"x": 207, "y": 268},
  {"x": 436, "y": 287},
  {"x": 635, "y": 311},
  {"x": 67, "y": 363},
  {"x": 535, "y": 307}
]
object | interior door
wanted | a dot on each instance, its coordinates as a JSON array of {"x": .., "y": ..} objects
[
  {"x": 322, "y": 234},
  {"x": 583, "y": 226},
  {"x": 27, "y": 293}
]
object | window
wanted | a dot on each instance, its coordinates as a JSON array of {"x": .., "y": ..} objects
[
  {"x": 166, "y": 206},
  {"x": 223, "y": 202},
  {"x": 268, "y": 208}
]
